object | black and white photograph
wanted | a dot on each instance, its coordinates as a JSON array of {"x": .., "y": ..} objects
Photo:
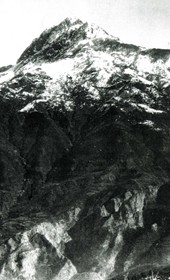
[{"x": 84, "y": 140}]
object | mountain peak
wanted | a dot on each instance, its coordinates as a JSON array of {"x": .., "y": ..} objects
[
  {"x": 72, "y": 20},
  {"x": 54, "y": 42}
]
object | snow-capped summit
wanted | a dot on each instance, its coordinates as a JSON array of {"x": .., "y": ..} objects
[
  {"x": 75, "y": 52},
  {"x": 93, "y": 58},
  {"x": 58, "y": 41}
]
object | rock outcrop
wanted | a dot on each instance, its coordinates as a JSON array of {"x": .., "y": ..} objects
[{"x": 84, "y": 158}]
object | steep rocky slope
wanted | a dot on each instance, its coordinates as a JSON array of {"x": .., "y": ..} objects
[{"x": 85, "y": 158}]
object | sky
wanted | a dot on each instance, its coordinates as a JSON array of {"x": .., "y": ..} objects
[{"x": 141, "y": 22}]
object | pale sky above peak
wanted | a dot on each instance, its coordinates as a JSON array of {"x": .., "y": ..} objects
[{"x": 140, "y": 22}]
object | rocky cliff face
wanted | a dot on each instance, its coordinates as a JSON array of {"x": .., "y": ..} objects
[{"x": 84, "y": 158}]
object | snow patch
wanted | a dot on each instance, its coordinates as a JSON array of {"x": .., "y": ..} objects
[
  {"x": 31, "y": 106},
  {"x": 144, "y": 81},
  {"x": 148, "y": 123},
  {"x": 8, "y": 75},
  {"x": 27, "y": 108},
  {"x": 58, "y": 68},
  {"x": 144, "y": 64},
  {"x": 129, "y": 71},
  {"x": 150, "y": 110}
]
